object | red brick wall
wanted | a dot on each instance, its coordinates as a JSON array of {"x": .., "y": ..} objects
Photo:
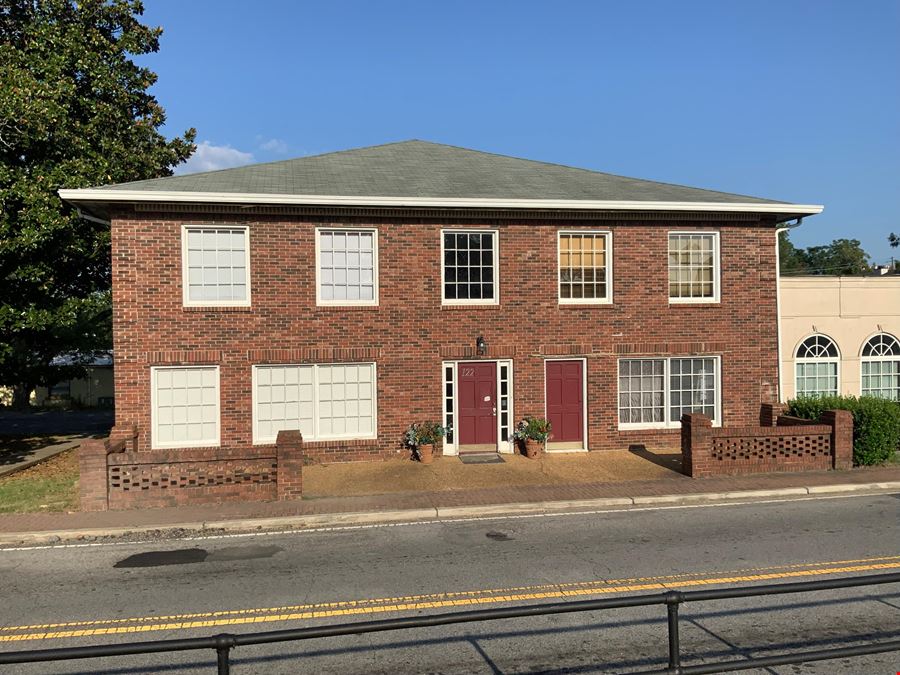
[{"x": 410, "y": 333}]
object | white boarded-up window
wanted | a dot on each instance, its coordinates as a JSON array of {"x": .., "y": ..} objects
[
  {"x": 216, "y": 265},
  {"x": 185, "y": 407},
  {"x": 347, "y": 267},
  {"x": 284, "y": 400},
  {"x": 323, "y": 401}
]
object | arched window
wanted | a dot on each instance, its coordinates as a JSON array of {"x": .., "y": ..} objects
[
  {"x": 881, "y": 367},
  {"x": 817, "y": 361}
]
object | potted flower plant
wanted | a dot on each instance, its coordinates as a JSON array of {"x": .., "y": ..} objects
[
  {"x": 532, "y": 432},
  {"x": 422, "y": 437}
]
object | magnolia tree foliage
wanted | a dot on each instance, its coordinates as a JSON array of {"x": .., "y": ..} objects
[{"x": 74, "y": 112}]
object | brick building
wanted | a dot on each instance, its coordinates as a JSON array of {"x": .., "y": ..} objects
[{"x": 350, "y": 294}]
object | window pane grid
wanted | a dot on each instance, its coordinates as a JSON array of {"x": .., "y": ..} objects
[
  {"x": 881, "y": 379},
  {"x": 448, "y": 402},
  {"x": 817, "y": 378},
  {"x": 641, "y": 391},
  {"x": 345, "y": 400},
  {"x": 504, "y": 402},
  {"x": 346, "y": 266},
  {"x": 582, "y": 266},
  {"x": 284, "y": 400},
  {"x": 692, "y": 387},
  {"x": 692, "y": 266},
  {"x": 186, "y": 406},
  {"x": 217, "y": 264},
  {"x": 468, "y": 266}
]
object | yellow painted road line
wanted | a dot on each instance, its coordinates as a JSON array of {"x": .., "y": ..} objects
[
  {"x": 217, "y": 619},
  {"x": 432, "y": 597}
]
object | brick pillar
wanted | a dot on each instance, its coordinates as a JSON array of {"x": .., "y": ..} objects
[
  {"x": 127, "y": 433},
  {"x": 289, "y": 457},
  {"x": 768, "y": 414},
  {"x": 93, "y": 480},
  {"x": 696, "y": 430},
  {"x": 841, "y": 423}
]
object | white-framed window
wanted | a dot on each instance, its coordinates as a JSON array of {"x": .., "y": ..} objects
[
  {"x": 323, "y": 401},
  {"x": 584, "y": 267},
  {"x": 215, "y": 265},
  {"x": 346, "y": 266},
  {"x": 694, "y": 267},
  {"x": 470, "y": 267},
  {"x": 880, "y": 364},
  {"x": 184, "y": 406},
  {"x": 816, "y": 364},
  {"x": 655, "y": 393}
]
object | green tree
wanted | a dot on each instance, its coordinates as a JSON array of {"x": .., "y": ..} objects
[
  {"x": 74, "y": 112},
  {"x": 843, "y": 257},
  {"x": 894, "y": 241},
  {"x": 792, "y": 260}
]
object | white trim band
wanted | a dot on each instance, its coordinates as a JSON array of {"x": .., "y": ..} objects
[{"x": 106, "y": 195}]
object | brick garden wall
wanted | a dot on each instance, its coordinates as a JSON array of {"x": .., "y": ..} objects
[
  {"x": 780, "y": 444},
  {"x": 410, "y": 333}
]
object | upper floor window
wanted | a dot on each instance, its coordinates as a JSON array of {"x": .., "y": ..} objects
[
  {"x": 216, "y": 265},
  {"x": 584, "y": 267},
  {"x": 347, "y": 267},
  {"x": 470, "y": 267},
  {"x": 693, "y": 267},
  {"x": 817, "y": 361},
  {"x": 881, "y": 367}
]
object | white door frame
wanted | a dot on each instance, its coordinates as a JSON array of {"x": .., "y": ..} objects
[
  {"x": 584, "y": 401},
  {"x": 506, "y": 446}
]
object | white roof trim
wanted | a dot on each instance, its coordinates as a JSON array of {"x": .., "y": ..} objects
[{"x": 95, "y": 195}]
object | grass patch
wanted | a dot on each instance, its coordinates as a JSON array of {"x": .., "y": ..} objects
[{"x": 49, "y": 486}]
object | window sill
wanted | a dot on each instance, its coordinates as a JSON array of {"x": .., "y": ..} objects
[
  {"x": 346, "y": 307},
  {"x": 218, "y": 308},
  {"x": 472, "y": 306},
  {"x": 676, "y": 302}
]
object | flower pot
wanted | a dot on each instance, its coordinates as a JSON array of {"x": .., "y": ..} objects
[
  {"x": 532, "y": 448},
  {"x": 425, "y": 453}
]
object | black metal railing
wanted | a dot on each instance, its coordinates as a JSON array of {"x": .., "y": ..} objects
[{"x": 224, "y": 643}]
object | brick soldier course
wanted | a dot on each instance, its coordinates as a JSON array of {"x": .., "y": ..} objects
[{"x": 410, "y": 333}]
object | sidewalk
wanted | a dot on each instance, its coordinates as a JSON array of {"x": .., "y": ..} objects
[{"x": 418, "y": 506}]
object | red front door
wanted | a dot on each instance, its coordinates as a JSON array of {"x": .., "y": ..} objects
[
  {"x": 478, "y": 404},
  {"x": 565, "y": 402}
]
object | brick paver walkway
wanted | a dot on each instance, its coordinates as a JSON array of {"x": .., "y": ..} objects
[{"x": 674, "y": 485}]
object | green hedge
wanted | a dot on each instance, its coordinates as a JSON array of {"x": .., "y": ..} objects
[{"x": 876, "y": 423}]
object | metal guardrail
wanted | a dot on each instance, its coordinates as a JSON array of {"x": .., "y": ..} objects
[{"x": 224, "y": 643}]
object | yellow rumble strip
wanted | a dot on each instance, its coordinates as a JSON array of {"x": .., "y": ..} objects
[{"x": 454, "y": 599}]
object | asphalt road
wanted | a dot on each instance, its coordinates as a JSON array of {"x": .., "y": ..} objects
[{"x": 168, "y": 589}]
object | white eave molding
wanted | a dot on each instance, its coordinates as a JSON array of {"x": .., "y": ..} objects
[{"x": 108, "y": 196}]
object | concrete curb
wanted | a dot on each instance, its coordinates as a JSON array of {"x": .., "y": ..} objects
[{"x": 436, "y": 514}]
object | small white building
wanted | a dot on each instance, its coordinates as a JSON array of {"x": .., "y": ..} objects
[{"x": 840, "y": 335}]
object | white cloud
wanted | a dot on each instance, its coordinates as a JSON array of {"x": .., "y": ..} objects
[
  {"x": 209, "y": 157},
  {"x": 275, "y": 145}
]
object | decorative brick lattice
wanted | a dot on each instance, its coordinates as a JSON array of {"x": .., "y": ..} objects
[
  {"x": 128, "y": 478},
  {"x": 771, "y": 448}
]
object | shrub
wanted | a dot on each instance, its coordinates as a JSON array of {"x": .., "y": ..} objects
[
  {"x": 876, "y": 423},
  {"x": 424, "y": 433},
  {"x": 532, "y": 428}
]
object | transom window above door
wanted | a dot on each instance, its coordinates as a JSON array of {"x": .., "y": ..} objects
[
  {"x": 584, "y": 268},
  {"x": 346, "y": 267},
  {"x": 470, "y": 267}
]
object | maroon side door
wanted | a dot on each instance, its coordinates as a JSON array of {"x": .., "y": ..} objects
[
  {"x": 477, "y": 390},
  {"x": 565, "y": 402}
]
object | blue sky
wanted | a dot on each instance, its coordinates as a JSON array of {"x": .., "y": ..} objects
[{"x": 792, "y": 100}]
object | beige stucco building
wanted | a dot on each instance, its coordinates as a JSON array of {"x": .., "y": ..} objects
[{"x": 840, "y": 335}]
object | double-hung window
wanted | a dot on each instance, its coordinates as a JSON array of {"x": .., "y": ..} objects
[
  {"x": 323, "y": 401},
  {"x": 816, "y": 363},
  {"x": 346, "y": 267},
  {"x": 881, "y": 367},
  {"x": 693, "y": 267},
  {"x": 216, "y": 265},
  {"x": 655, "y": 393},
  {"x": 470, "y": 268},
  {"x": 585, "y": 269},
  {"x": 184, "y": 406}
]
